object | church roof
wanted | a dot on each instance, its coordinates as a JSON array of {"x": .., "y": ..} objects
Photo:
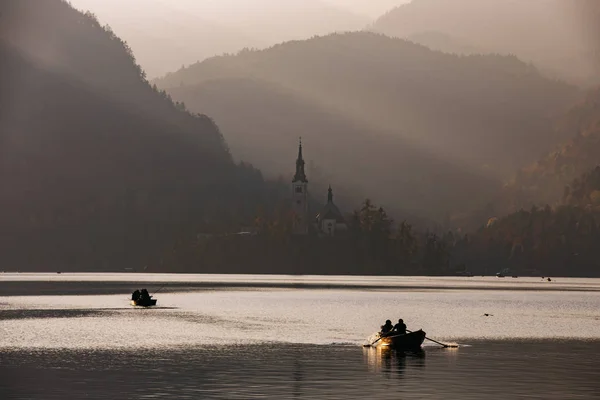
[{"x": 331, "y": 211}]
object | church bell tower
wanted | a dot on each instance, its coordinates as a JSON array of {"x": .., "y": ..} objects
[{"x": 300, "y": 196}]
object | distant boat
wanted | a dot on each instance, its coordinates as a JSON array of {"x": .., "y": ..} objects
[
  {"x": 142, "y": 299},
  {"x": 408, "y": 341},
  {"x": 143, "y": 303}
]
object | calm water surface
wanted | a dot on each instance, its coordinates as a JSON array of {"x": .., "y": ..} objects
[{"x": 228, "y": 337}]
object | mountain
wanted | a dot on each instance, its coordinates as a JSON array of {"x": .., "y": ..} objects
[
  {"x": 558, "y": 36},
  {"x": 584, "y": 191},
  {"x": 560, "y": 241},
  {"x": 100, "y": 170},
  {"x": 164, "y": 34},
  {"x": 444, "y": 43},
  {"x": 417, "y": 129},
  {"x": 544, "y": 182}
]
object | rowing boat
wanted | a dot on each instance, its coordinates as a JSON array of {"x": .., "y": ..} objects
[
  {"x": 143, "y": 303},
  {"x": 407, "y": 341}
]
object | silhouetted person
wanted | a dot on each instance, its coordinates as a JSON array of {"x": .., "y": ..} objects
[
  {"x": 145, "y": 296},
  {"x": 400, "y": 327},
  {"x": 135, "y": 296},
  {"x": 387, "y": 327}
]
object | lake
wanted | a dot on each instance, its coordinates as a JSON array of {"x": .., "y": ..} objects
[{"x": 248, "y": 336}]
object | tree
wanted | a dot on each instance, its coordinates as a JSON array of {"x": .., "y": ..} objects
[{"x": 406, "y": 244}]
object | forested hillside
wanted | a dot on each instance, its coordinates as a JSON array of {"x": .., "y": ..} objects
[
  {"x": 558, "y": 36},
  {"x": 443, "y": 42},
  {"x": 417, "y": 129},
  {"x": 584, "y": 191},
  {"x": 544, "y": 181},
  {"x": 561, "y": 241},
  {"x": 558, "y": 240},
  {"x": 98, "y": 169}
]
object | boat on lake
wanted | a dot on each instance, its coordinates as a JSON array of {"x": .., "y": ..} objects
[
  {"x": 407, "y": 341},
  {"x": 143, "y": 302},
  {"x": 142, "y": 299}
]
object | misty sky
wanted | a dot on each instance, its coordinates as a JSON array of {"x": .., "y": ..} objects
[
  {"x": 166, "y": 34},
  {"x": 372, "y": 8},
  {"x": 228, "y": 8}
]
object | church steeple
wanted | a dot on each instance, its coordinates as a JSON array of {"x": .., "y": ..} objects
[
  {"x": 300, "y": 175},
  {"x": 300, "y": 196},
  {"x": 330, "y": 195}
]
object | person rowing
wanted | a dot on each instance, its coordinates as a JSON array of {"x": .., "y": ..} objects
[
  {"x": 135, "y": 296},
  {"x": 145, "y": 296},
  {"x": 400, "y": 327},
  {"x": 387, "y": 328}
]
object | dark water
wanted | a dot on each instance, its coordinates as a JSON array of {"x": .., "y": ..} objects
[{"x": 484, "y": 370}]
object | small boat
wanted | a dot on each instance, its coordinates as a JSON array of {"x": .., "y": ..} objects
[
  {"x": 142, "y": 298},
  {"x": 143, "y": 303},
  {"x": 408, "y": 341}
]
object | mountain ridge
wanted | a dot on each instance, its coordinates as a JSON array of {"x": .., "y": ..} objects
[
  {"x": 543, "y": 181},
  {"x": 438, "y": 104},
  {"x": 549, "y": 33},
  {"x": 193, "y": 30},
  {"x": 99, "y": 169}
]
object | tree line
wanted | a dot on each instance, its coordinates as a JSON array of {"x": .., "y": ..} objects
[{"x": 559, "y": 241}]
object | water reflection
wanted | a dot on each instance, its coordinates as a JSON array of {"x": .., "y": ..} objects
[
  {"x": 391, "y": 362},
  {"x": 490, "y": 370},
  {"x": 298, "y": 377}
]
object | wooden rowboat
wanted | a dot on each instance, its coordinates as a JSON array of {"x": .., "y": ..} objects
[
  {"x": 408, "y": 341},
  {"x": 143, "y": 303}
]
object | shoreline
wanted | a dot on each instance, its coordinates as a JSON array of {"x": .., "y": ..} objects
[{"x": 23, "y": 284}]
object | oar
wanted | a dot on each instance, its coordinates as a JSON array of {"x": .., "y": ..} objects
[
  {"x": 381, "y": 337},
  {"x": 161, "y": 288},
  {"x": 446, "y": 346}
]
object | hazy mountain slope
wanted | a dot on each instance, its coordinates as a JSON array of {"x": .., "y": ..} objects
[
  {"x": 561, "y": 241},
  {"x": 544, "y": 181},
  {"x": 443, "y": 42},
  {"x": 98, "y": 170},
  {"x": 263, "y": 120},
  {"x": 477, "y": 110},
  {"x": 584, "y": 191},
  {"x": 164, "y": 34},
  {"x": 549, "y": 33},
  {"x": 484, "y": 114}
]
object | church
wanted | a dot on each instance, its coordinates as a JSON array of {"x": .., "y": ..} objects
[{"x": 328, "y": 222}]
